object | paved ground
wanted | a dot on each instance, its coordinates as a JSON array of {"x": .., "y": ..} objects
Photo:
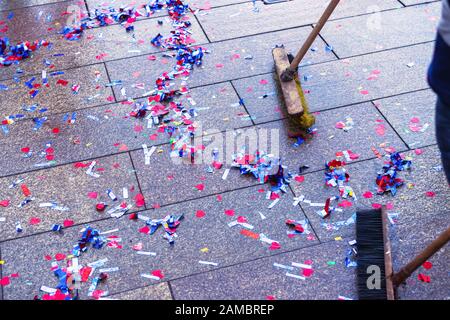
[{"x": 374, "y": 75}]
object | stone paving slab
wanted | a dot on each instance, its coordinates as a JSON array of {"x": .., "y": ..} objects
[
  {"x": 156, "y": 292},
  {"x": 19, "y": 4},
  {"x": 69, "y": 187},
  {"x": 46, "y": 20},
  {"x": 383, "y": 30},
  {"x": 368, "y": 77},
  {"x": 109, "y": 129},
  {"x": 414, "y": 2},
  {"x": 226, "y": 246},
  {"x": 329, "y": 140},
  {"x": 57, "y": 98},
  {"x": 410, "y": 240},
  {"x": 411, "y": 205},
  {"x": 101, "y": 44},
  {"x": 401, "y": 112},
  {"x": 226, "y": 61},
  {"x": 241, "y": 20},
  {"x": 340, "y": 83},
  {"x": 261, "y": 98},
  {"x": 260, "y": 279}
]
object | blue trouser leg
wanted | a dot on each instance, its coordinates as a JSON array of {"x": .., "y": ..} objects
[{"x": 443, "y": 134}]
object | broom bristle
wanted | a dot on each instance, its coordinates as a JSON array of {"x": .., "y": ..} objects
[{"x": 370, "y": 244}]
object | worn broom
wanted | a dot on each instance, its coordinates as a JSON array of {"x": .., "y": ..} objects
[
  {"x": 374, "y": 250},
  {"x": 298, "y": 115}
]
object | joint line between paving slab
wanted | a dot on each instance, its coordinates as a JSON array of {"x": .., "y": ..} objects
[
  {"x": 110, "y": 81},
  {"x": 171, "y": 290},
  {"x": 401, "y": 3},
  {"x": 201, "y": 27},
  {"x": 328, "y": 45},
  {"x": 392, "y": 126},
  {"x": 243, "y": 102},
  {"x": 166, "y": 143},
  {"x": 137, "y": 178},
  {"x": 36, "y": 5}
]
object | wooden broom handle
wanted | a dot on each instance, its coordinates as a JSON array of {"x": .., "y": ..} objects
[
  {"x": 326, "y": 15},
  {"x": 399, "y": 277}
]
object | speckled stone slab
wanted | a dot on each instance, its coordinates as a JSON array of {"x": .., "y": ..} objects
[
  {"x": 228, "y": 60},
  {"x": 19, "y": 4},
  {"x": 412, "y": 116},
  {"x": 261, "y": 280},
  {"x": 156, "y": 292},
  {"x": 383, "y": 30},
  {"x": 414, "y": 2},
  {"x": 409, "y": 206},
  {"x": 69, "y": 187},
  {"x": 57, "y": 97},
  {"x": 206, "y": 238},
  {"x": 242, "y": 20},
  {"x": 367, "y": 77},
  {"x": 329, "y": 140},
  {"x": 109, "y": 129},
  {"x": 41, "y": 21},
  {"x": 101, "y": 44},
  {"x": 408, "y": 240}
]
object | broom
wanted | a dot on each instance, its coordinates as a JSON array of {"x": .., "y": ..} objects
[
  {"x": 300, "y": 120},
  {"x": 374, "y": 253}
]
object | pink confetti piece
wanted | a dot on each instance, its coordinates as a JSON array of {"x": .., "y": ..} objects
[
  {"x": 229, "y": 212},
  {"x": 200, "y": 214}
]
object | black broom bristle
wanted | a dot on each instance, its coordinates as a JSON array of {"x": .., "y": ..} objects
[{"x": 370, "y": 244}]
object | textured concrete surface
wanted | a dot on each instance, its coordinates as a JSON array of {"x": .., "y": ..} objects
[
  {"x": 379, "y": 92},
  {"x": 383, "y": 30},
  {"x": 110, "y": 129},
  {"x": 412, "y": 116},
  {"x": 227, "y": 60},
  {"x": 241, "y": 20},
  {"x": 69, "y": 187}
]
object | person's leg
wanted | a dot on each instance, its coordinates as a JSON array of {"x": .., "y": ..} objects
[{"x": 443, "y": 134}]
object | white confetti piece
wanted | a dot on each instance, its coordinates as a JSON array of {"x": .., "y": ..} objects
[
  {"x": 295, "y": 276},
  {"x": 208, "y": 263}
]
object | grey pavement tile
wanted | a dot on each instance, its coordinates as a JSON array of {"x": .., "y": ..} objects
[
  {"x": 156, "y": 292},
  {"x": 329, "y": 140},
  {"x": 261, "y": 280},
  {"x": 411, "y": 203},
  {"x": 240, "y": 20},
  {"x": 367, "y": 77},
  {"x": 414, "y": 2},
  {"x": 408, "y": 240},
  {"x": 261, "y": 98},
  {"x": 110, "y": 129},
  {"x": 412, "y": 116},
  {"x": 194, "y": 4},
  {"x": 227, "y": 60},
  {"x": 382, "y": 30},
  {"x": 19, "y": 4},
  {"x": 57, "y": 97},
  {"x": 98, "y": 45},
  {"x": 199, "y": 239},
  {"x": 41, "y": 21},
  {"x": 69, "y": 187}
]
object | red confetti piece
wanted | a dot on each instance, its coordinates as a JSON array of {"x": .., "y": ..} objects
[
  {"x": 368, "y": 195},
  {"x": 241, "y": 219},
  {"x": 418, "y": 151},
  {"x": 60, "y": 256},
  {"x": 270, "y": 298},
  {"x": 430, "y": 194},
  {"x": 25, "y": 190},
  {"x": 93, "y": 195},
  {"x": 25, "y": 150},
  {"x": 200, "y": 214},
  {"x": 376, "y": 205},
  {"x": 424, "y": 278},
  {"x": 48, "y": 257},
  {"x": 299, "y": 178},
  {"x": 4, "y": 203},
  {"x": 364, "y": 92},
  {"x": 153, "y": 136},
  {"x": 380, "y": 130},
  {"x": 145, "y": 230},
  {"x": 275, "y": 246},
  {"x": 4, "y": 281},
  {"x": 345, "y": 204},
  {"x": 263, "y": 81},
  {"x": 34, "y": 221},
  {"x": 249, "y": 234},
  {"x": 219, "y": 197},
  {"x": 200, "y": 187},
  {"x": 139, "y": 199},
  {"x": 68, "y": 223},
  {"x": 158, "y": 273},
  {"x": 308, "y": 272},
  {"x": 55, "y": 130},
  {"x": 229, "y": 212},
  {"x": 151, "y": 58},
  {"x": 427, "y": 265}
]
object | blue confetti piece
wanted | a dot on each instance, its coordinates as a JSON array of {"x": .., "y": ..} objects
[
  {"x": 10, "y": 15},
  {"x": 3, "y": 87},
  {"x": 56, "y": 73}
]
